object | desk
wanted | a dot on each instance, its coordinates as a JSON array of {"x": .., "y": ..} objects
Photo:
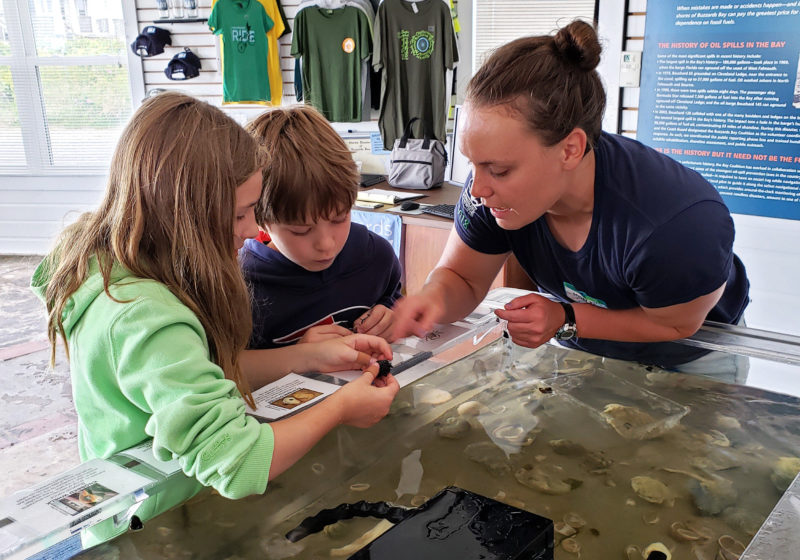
[{"x": 424, "y": 237}]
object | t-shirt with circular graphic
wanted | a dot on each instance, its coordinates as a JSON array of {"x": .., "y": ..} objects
[
  {"x": 415, "y": 45},
  {"x": 332, "y": 44}
]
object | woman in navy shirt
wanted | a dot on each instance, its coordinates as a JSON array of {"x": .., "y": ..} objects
[{"x": 635, "y": 248}]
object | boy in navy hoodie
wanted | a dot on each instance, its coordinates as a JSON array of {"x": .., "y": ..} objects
[{"x": 319, "y": 276}]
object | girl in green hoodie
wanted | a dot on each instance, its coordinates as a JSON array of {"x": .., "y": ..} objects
[{"x": 147, "y": 296}]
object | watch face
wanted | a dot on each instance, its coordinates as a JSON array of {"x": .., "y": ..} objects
[{"x": 566, "y": 332}]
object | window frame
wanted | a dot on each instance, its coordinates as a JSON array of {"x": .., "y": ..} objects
[{"x": 23, "y": 62}]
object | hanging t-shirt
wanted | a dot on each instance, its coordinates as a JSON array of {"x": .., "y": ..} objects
[
  {"x": 415, "y": 46},
  {"x": 243, "y": 25},
  {"x": 278, "y": 29},
  {"x": 332, "y": 44}
]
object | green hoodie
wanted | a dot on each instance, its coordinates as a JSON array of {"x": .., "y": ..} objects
[{"x": 141, "y": 369}]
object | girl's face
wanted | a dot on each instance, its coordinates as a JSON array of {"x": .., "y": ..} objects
[
  {"x": 312, "y": 245},
  {"x": 516, "y": 177},
  {"x": 244, "y": 224}
]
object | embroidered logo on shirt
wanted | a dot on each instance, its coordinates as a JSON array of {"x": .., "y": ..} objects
[
  {"x": 348, "y": 45},
  {"x": 582, "y": 297}
]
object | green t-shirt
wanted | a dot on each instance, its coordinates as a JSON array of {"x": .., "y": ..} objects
[
  {"x": 243, "y": 25},
  {"x": 414, "y": 46},
  {"x": 332, "y": 44}
]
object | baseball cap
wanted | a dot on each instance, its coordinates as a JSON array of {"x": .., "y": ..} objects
[
  {"x": 183, "y": 66},
  {"x": 151, "y": 41}
]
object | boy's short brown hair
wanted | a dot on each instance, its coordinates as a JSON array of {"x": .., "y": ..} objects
[{"x": 309, "y": 174}]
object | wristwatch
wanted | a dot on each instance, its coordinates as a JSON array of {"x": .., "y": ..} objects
[{"x": 569, "y": 329}]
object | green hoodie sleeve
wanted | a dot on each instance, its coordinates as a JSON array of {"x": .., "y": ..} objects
[{"x": 160, "y": 355}]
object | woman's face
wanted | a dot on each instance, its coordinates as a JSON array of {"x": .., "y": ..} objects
[
  {"x": 516, "y": 177},
  {"x": 244, "y": 223}
]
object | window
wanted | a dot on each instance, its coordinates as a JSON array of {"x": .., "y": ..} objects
[
  {"x": 500, "y": 21},
  {"x": 64, "y": 89}
]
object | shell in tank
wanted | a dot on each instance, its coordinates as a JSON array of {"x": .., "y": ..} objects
[
  {"x": 453, "y": 427},
  {"x": 426, "y": 394},
  {"x": 652, "y": 490},
  {"x": 546, "y": 478},
  {"x": 712, "y": 495},
  {"x": 783, "y": 472},
  {"x": 490, "y": 456},
  {"x": 631, "y": 422},
  {"x": 472, "y": 408}
]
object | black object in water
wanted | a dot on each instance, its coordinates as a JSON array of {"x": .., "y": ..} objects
[{"x": 455, "y": 523}]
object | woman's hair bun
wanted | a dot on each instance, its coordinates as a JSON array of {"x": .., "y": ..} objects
[{"x": 577, "y": 43}]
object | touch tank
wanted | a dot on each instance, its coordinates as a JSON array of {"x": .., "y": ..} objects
[{"x": 620, "y": 456}]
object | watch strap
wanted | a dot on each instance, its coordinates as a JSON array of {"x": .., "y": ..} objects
[{"x": 569, "y": 313}]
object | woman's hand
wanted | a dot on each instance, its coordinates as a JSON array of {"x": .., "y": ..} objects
[
  {"x": 323, "y": 332},
  {"x": 354, "y": 351},
  {"x": 417, "y": 315},
  {"x": 364, "y": 401},
  {"x": 532, "y": 319},
  {"x": 377, "y": 321}
]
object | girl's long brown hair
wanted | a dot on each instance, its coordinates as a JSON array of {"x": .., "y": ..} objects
[{"x": 168, "y": 215}]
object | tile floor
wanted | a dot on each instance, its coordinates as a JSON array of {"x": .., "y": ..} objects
[{"x": 37, "y": 421}]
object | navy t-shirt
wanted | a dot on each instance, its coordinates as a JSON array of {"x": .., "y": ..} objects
[
  {"x": 660, "y": 235},
  {"x": 287, "y": 299}
]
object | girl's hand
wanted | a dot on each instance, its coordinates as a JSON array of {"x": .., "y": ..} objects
[
  {"x": 532, "y": 319},
  {"x": 416, "y": 315},
  {"x": 377, "y": 321},
  {"x": 323, "y": 332},
  {"x": 354, "y": 351},
  {"x": 364, "y": 401}
]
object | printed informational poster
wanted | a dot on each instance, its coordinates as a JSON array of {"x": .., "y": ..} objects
[{"x": 721, "y": 94}]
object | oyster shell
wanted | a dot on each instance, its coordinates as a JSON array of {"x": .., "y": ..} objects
[
  {"x": 490, "y": 456},
  {"x": 425, "y": 394},
  {"x": 685, "y": 532},
  {"x": 632, "y": 423},
  {"x": 453, "y": 427},
  {"x": 574, "y": 520},
  {"x": 729, "y": 548},
  {"x": 471, "y": 408},
  {"x": 711, "y": 494},
  {"x": 546, "y": 478},
  {"x": 652, "y": 490},
  {"x": 571, "y": 545},
  {"x": 784, "y": 471},
  {"x": 567, "y": 447}
]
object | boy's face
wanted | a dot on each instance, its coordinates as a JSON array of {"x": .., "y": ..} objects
[{"x": 312, "y": 245}]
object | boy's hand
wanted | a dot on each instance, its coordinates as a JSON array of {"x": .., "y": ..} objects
[
  {"x": 378, "y": 321},
  {"x": 323, "y": 332}
]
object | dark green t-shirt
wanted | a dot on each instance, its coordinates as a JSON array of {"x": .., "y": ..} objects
[
  {"x": 332, "y": 44},
  {"x": 243, "y": 25},
  {"x": 414, "y": 45}
]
